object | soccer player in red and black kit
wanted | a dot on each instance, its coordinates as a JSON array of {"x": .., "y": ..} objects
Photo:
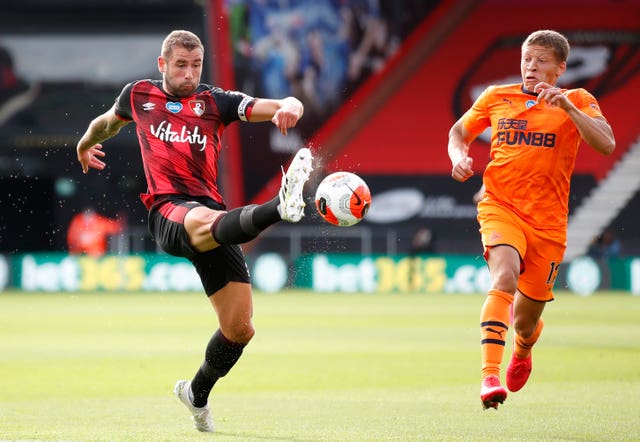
[{"x": 179, "y": 125}]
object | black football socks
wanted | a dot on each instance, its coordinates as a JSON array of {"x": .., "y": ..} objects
[
  {"x": 220, "y": 356},
  {"x": 243, "y": 224}
]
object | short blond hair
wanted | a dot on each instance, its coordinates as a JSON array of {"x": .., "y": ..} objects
[
  {"x": 550, "y": 39},
  {"x": 181, "y": 38}
]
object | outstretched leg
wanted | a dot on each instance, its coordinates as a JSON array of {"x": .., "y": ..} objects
[{"x": 208, "y": 228}]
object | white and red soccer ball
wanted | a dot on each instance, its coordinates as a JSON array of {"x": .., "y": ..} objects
[{"x": 343, "y": 199}]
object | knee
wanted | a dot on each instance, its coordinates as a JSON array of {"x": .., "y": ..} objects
[
  {"x": 505, "y": 281},
  {"x": 523, "y": 326},
  {"x": 240, "y": 333}
]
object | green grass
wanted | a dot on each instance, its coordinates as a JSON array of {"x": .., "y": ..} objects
[{"x": 321, "y": 367}]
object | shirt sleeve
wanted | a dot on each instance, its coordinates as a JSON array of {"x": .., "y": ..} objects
[
  {"x": 586, "y": 102},
  {"x": 123, "y": 103},
  {"x": 233, "y": 105},
  {"x": 476, "y": 119}
]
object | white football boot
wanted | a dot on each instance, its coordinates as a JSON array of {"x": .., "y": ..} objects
[
  {"x": 292, "y": 203},
  {"x": 202, "y": 417}
]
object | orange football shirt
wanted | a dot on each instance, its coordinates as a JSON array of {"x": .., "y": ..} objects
[{"x": 533, "y": 151}]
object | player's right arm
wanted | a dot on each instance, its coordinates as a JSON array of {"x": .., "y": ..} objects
[
  {"x": 459, "y": 140},
  {"x": 100, "y": 129}
]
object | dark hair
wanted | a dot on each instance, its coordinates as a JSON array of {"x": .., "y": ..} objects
[{"x": 550, "y": 39}]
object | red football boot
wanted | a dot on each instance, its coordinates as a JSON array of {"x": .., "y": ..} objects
[
  {"x": 518, "y": 372},
  {"x": 492, "y": 393}
]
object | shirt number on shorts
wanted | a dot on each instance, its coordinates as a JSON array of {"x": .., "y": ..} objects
[{"x": 553, "y": 272}]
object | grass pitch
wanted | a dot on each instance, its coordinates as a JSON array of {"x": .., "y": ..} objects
[{"x": 321, "y": 368}]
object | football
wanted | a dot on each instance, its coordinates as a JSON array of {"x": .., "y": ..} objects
[{"x": 343, "y": 199}]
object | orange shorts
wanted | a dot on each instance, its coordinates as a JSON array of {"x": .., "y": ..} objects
[{"x": 541, "y": 251}]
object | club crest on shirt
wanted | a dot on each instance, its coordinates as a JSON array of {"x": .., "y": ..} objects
[{"x": 197, "y": 107}]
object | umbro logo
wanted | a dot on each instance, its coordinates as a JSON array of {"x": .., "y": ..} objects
[{"x": 148, "y": 106}]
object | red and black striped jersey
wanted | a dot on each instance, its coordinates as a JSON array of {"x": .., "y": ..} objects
[{"x": 180, "y": 137}]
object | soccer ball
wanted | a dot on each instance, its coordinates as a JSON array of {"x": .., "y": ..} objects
[{"x": 343, "y": 199}]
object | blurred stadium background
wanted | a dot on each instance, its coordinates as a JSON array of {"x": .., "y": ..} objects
[{"x": 382, "y": 82}]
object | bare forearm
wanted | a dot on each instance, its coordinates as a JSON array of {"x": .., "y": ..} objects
[
  {"x": 596, "y": 132},
  {"x": 284, "y": 113},
  {"x": 457, "y": 151},
  {"x": 458, "y": 147},
  {"x": 265, "y": 108},
  {"x": 99, "y": 130}
]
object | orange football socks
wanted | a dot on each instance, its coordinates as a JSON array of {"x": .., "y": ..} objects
[
  {"x": 494, "y": 323},
  {"x": 522, "y": 347}
]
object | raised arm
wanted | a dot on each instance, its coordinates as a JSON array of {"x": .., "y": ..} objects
[
  {"x": 283, "y": 113},
  {"x": 100, "y": 129},
  {"x": 595, "y": 131}
]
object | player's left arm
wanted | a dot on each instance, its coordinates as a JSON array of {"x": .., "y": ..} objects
[
  {"x": 594, "y": 130},
  {"x": 283, "y": 113}
]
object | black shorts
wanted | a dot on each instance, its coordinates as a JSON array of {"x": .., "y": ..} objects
[{"x": 215, "y": 267}]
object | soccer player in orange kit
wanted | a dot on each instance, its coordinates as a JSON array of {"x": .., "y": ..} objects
[{"x": 537, "y": 128}]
